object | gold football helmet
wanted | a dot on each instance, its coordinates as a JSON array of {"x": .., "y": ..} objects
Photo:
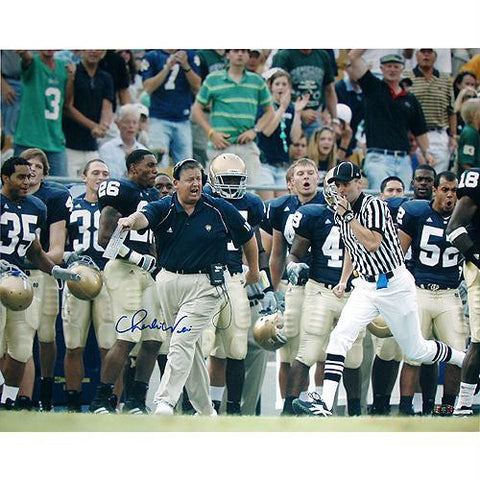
[
  {"x": 16, "y": 290},
  {"x": 330, "y": 190},
  {"x": 90, "y": 283},
  {"x": 228, "y": 176},
  {"x": 379, "y": 328},
  {"x": 267, "y": 331}
]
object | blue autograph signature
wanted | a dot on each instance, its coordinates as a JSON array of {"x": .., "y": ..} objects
[{"x": 137, "y": 319}]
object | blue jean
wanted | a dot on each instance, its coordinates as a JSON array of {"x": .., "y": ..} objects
[
  {"x": 10, "y": 112},
  {"x": 56, "y": 160},
  {"x": 173, "y": 137},
  {"x": 378, "y": 166}
]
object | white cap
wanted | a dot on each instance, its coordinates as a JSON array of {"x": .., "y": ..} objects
[
  {"x": 142, "y": 109},
  {"x": 344, "y": 112}
]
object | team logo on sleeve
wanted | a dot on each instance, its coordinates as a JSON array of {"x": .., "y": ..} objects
[{"x": 208, "y": 227}]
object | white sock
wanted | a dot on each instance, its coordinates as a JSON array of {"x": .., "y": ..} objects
[
  {"x": 2, "y": 378},
  {"x": 303, "y": 396},
  {"x": 319, "y": 389},
  {"x": 9, "y": 392},
  {"x": 216, "y": 393},
  {"x": 328, "y": 394},
  {"x": 465, "y": 397},
  {"x": 417, "y": 402}
]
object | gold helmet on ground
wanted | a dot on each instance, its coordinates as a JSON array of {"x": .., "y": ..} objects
[
  {"x": 379, "y": 328},
  {"x": 228, "y": 176},
  {"x": 90, "y": 283},
  {"x": 16, "y": 290},
  {"x": 267, "y": 331}
]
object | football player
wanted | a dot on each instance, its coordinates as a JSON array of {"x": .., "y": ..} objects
[
  {"x": 164, "y": 184},
  {"x": 22, "y": 216},
  {"x": 315, "y": 230},
  {"x": 435, "y": 267},
  {"x": 281, "y": 214},
  {"x": 45, "y": 311},
  {"x": 463, "y": 231},
  {"x": 227, "y": 336},
  {"x": 130, "y": 285},
  {"x": 78, "y": 314}
]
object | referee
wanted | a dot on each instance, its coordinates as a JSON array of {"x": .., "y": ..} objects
[
  {"x": 383, "y": 287},
  {"x": 192, "y": 230}
]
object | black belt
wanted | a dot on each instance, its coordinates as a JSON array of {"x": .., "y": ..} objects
[
  {"x": 384, "y": 151},
  {"x": 373, "y": 278},
  {"x": 436, "y": 129},
  {"x": 330, "y": 286},
  {"x": 188, "y": 272},
  {"x": 433, "y": 287}
]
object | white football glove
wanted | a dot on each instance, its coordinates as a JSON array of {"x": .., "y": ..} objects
[
  {"x": 64, "y": 274},
  {"x": 147, "y": 263},
  {"x": 70, "y": 257},
  {"x": 296, "y": 270},
  {"x": 269, "y": 301},
  {"x": 280, "y": 298}
]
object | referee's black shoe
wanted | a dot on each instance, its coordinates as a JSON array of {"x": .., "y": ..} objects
[{"x": 315, "y": 407}]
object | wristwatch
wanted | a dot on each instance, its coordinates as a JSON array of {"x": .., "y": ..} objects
[{"x": 348, "y": 216}]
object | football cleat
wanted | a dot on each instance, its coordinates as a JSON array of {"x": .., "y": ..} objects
[
  {"x": 8, "y": 405},
  {"x": 315, "y": 407},
  {"x": 444, "y": 410},
  {"x": 163, "y": 408},
  {"x": 463, "y": 411},
  {"x": 135, "y": 407},
  {"x": 103, "y": 405}
]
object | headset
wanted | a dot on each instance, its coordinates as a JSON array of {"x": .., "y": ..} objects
[{"x": 189, "y": 163}]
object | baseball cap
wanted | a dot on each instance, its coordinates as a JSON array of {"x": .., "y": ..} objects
[
  {"x": 142, "y": 109},
  {"x": 345, "y": 172},
  {"x": 392, "y": 58},
  {"x": 344, "y": 112}
]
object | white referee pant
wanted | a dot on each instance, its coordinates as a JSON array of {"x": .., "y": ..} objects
[{"x": 397, "y": 304}]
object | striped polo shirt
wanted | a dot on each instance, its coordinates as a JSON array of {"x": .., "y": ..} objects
[
  {"x": 434, "y": 94},
  {"x": 234, "y": 105},
  {"x": 373, "y": 214}
]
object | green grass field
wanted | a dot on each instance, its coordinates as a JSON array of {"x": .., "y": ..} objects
[{"x": 65, "y": 422}]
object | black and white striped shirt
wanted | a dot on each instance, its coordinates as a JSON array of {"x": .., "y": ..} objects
[{"x": 373, "y": 214}]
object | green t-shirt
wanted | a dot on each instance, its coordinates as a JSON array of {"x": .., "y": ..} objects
[
  {"x": 234, "y": 105},
  {"x": 43, "y": 94},
  {"x": 210, "y": 61},
  {"x": 468, "y": 150},
  {"x": 310, "y": 73}
]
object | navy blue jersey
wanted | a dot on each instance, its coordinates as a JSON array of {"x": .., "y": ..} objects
[
  {"x": 469, "y": 186},
  {"x": 266, "y": 224},
  {"x": 20, "y": 222},
  {"x": 194, "y": 242},
  {"x": 58, "y": 200},
  {"x": 281, "y": 213},
  {"x": 173, "y": 99},
  {"x": 317, "y": 224},
  {"x": 434, "y": 259},
  {"x": 127, "y": 197},
  {"x": 252, "y": 209},
  {"x": 83, "y": 230},
  {"x": 393, "y": 204}
]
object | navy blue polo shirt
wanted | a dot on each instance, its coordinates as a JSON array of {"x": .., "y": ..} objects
[{"x": 193, "y": 243}]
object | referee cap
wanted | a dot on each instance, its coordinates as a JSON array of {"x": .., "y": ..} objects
[{"x": 345, "y": 172}]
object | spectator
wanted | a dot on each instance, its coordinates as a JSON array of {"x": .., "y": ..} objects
[
  {"x": 350, "y": 93},
  {"x": 88, "y": 116},
  {"x": 469, "y": 142},
  {"x": 463, "y": 80},
  {"x": 311, "y": 72},
  {"x": 284, "y": 128},
  {"x": 256, "y": 61},
  {"x": 171, "y": 79},
  {"x": 390, "y": 113},
  {"x": 434, "y": 91},
  {"x": 210, "y": 61},
  {"x": 322, "y": 149},
  {"x": 465, "y": 94},
  {"x": 115, "y": 151},
  {"x": 234, "y": 96},
  {"x": 299, "y": 149},
  {"x": 473, "y": 65},
  {"x": 11, "y": 72},
  {"x": 44, "y": 93},
  {"x": 134, "y": 78},
  {"x": 392, "y": 187}
]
